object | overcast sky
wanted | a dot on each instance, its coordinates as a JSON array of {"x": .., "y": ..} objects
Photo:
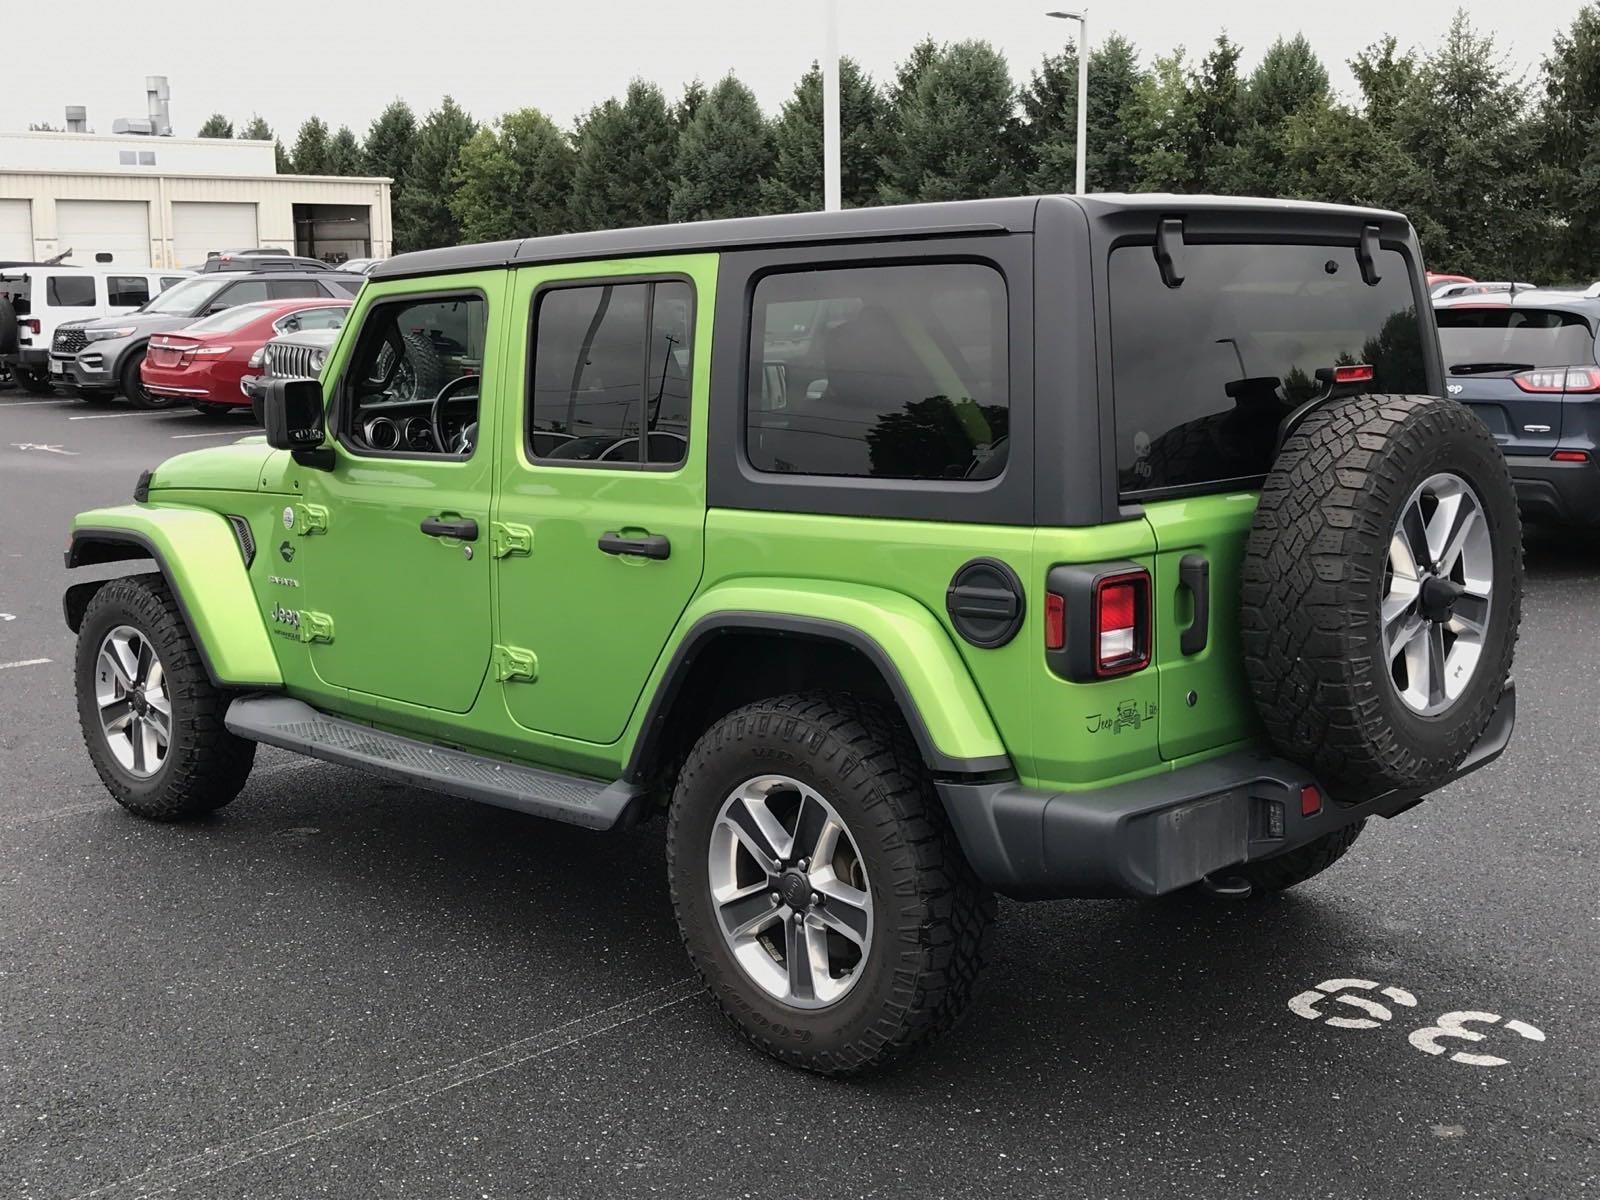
[{"x": 345, "y": 59}]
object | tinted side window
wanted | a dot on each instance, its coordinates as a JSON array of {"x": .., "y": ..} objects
[
  {"x": 894, "y": 372},
  {"x": 343, "y": 287},
  {"x": 70, "y": 291},
  {"x": 246, "y": 291},
  {"x": 294, "y": 289},
  {"x": 1203, "y": 373},
  {"x": 611, "y": 374},
  {"x": 410, "y": 354},
  {"x": 168, "y": 280},
  {"x": 127, "y": 290}
]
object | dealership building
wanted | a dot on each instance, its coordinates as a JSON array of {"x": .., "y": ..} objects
[{"x": 140, "y": 199}]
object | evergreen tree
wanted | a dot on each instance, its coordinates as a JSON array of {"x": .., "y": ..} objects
[
  {"x": 256, "y": 130},
  {"x": 1163, "y": 127},
  {"x": 1050, "y": 105},
  {"x": 389, "y": 143},
  {"x": 423, "y": 218},
  {"x": 626, "y": 153},
  {"x": 1290, "y": 82},
  {"x": 723, "y": 156},
  {"x": 282, "y": 163},
  {"x": 955, "y": 127},
  {"x": 216, "y": 126},
  {"x": 1569, "y": 139},
  {"x": 796, "y": 181},
  {"x": 513, "y": 181},
  {"x": 344, "y": 153},
  {"x": 688, "y": 104},
  {"x": 311, "y": 148},
  {"x": 1217, "y": 94}
]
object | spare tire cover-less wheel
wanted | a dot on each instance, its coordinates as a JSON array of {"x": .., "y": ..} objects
[{"x": 1381, "y": 591}]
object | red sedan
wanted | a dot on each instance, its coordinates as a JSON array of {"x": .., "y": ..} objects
[{"x": 206, "y": 362}]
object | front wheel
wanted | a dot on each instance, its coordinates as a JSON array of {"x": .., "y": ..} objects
[
  {"x": 818, "y": 886},
  {"x": 152, "y": 720},
  {"x": 134, "y": 389}
]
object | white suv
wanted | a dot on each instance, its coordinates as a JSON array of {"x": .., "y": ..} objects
[{"x": 37, "y": 302}]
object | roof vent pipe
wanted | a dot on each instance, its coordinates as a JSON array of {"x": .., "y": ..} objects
[
  {"x": 158, "y": 95},
  {"x": 77, "y": 118}
]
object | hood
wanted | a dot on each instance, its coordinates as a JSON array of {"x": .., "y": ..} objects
[
  {"x": 321, "y": 338},
  {"x": 142, "y": 324},
  {"x": 234, "y": 468}
]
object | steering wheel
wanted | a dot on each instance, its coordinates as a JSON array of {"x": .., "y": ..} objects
[{"x": 462, "y": 445}]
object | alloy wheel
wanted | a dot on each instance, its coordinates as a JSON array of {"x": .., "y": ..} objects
[
  {"x": 790, "y": 891},
  {"x": 1437, "y": 589},
  {"x": 130, "y": 686}
]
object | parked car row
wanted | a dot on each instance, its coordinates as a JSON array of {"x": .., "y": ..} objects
[{"x": 104, "y": 332}]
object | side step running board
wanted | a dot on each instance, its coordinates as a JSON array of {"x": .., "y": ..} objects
[{"x": 279, "y": 721}]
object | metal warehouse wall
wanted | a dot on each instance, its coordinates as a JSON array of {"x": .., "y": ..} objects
[{"x": 273, "y": 195}]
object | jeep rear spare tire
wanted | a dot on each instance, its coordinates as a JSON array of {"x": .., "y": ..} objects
[{"x": 1381, "y": 591}]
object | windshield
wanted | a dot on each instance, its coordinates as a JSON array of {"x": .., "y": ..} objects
[
  {"x": 186, "y": 298},
  {"x": 1517, "y": 338},
  {"x": 1204, "y": 372},
  {"x": 230, "y": 319}
]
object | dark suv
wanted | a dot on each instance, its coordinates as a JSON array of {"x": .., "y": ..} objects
[
  {"x": 102, "y": 357},
  {"x": 1526, "y": 364}
]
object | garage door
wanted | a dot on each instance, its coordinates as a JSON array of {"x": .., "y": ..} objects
[
  {"x": 200, "y": 228},
  {"x": 16, "y": 230},
  {"x": 120, "y": 228}
]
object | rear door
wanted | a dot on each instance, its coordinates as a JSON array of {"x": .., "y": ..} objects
[
  {"x": 1203, "y": 374},
  {"x": 1507, "y": 363}
]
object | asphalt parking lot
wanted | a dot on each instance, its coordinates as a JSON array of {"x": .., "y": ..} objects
[{"x": 341, "y": 987}]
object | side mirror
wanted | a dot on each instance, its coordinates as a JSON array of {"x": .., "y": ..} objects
[{"x": 293, "y": 414}]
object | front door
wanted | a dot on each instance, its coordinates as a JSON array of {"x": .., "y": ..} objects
[
  {"x": 600, "y": 517},
  {"x": 391, "y": 546}
]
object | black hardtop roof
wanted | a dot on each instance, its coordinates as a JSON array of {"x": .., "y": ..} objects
[{"x": 1005, "y": 215}]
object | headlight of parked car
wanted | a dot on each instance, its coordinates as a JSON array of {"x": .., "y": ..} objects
[
  {"x": 257, "y": 358},
  {"x": 318, "y": 357},
  {"x": 105, "y": 335}
]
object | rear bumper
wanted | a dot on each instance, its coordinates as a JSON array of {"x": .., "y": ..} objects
[
  {"x": 1163, "y": 833},
  {"x": 27, "y": 358},
  {"x": 1556, "y": 491}
]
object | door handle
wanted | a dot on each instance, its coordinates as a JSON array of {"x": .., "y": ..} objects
[
  {"x": 1194, "y": 573},
  {"x": 464, "y": 528},
  {"x": 651, "y": 545}
]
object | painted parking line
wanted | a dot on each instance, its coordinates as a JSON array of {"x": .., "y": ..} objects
[
  {"x": 24, "y": 662},
  {"x": 222, "y": 433},
  {"x": 27, "y": 403},
  {"x": 108, "y": 416}
]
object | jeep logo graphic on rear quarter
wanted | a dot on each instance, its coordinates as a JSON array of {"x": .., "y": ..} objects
[{"x": 1454, "y": 389}]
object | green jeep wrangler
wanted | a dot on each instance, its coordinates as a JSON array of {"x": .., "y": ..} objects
[{"x": 1054, "y": 547}]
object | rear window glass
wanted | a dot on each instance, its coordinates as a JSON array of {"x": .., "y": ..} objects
[
  {"x": 892, "y": 372},
  {"x": 127, "y": 291},
  {"x": 70, "y": 291},
  {"x": 1512, "y": 339},
  {"x": 1203, "y": 373}
]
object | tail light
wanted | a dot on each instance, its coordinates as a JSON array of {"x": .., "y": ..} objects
[
  {"x": 1097, "y": 620},
  {"x": 1355, "y": 373},
  {"x": 1122, "y": 624},
  {"x": 32, "y": 325},
  {"x": 211, "y": 351},
  {"x": 1570, "y": 456},
  {"x": 1559, "y": 379}
]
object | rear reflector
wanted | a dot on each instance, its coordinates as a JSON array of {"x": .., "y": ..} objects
[
  {"x": 1310, "y": 800},
  {"x": 1356, "y": 373},
  {"x": 1122, "y": 624},
  {"x": 1570, "y": 456},
  {"x": 1559, "y": 379},
  {"x": 1055, "y": 621}
]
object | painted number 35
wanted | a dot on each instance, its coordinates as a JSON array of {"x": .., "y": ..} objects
[{"x": 1322, "y": 1002}]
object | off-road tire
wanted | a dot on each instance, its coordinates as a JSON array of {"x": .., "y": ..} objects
[
  {"x": 1283, "y": 871},
  {"x": 35, "y": 382},
  {"x": 134, "y": 389},
  {"x": 1313, "y": 578},
  {"x": 932, "y": 915},
  {"x": 206, "y": 766},
  {"x": 427, "y": 367}
]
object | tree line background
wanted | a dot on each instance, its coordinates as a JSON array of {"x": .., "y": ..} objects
[{"x": 1500, "y": 173}]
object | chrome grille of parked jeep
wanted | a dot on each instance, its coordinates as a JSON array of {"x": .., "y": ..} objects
[
  {"x": 68, "y": 340},
  {"x": 287, "y": 361}
]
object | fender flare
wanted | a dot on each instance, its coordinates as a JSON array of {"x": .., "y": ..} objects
[
  {"x": 206, "y": 576},
  {"x": 936, "y": 695}
]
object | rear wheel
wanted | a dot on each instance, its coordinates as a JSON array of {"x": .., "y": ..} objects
[
  {"x": 37, "y": 382},
  {"x": 134, "y": 389},
  {"x": 819, "y": 889},
  {"x": 152, "y": 720}
]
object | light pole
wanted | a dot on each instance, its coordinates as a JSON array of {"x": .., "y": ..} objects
[
  {"x": 1082, "y": 18},
  {"x": 831, "y": 186}
]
